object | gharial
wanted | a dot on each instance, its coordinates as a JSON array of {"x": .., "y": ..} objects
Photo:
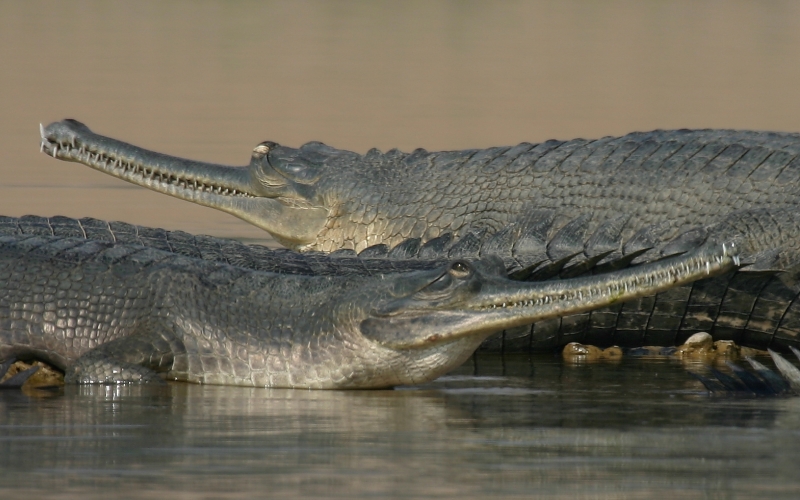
[
  {"x": 320, "y": 198},
  {"x": 755, "y": 306},
  {"x": 550, "y": 199},
  {"x": 113, "y": 312},
  {"x": 564, "y": 206}
]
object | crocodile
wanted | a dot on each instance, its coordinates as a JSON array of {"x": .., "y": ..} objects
[
  {"x": 320, "y": 198},
  {"x": 559, "y": 207},
  {"x": 754, "y": 306},
  {"x": 118, "y": 313}
]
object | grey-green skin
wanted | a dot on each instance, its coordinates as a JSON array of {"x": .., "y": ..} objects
[
  {"x": 320, "y": 198},
  {"x": 754, "y": 306},
  {"x": 112, "y": 313}
]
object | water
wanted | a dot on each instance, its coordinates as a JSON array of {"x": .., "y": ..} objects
[
  {"x": 511, "y": 428},
  {"x": 209, "y": 80}
]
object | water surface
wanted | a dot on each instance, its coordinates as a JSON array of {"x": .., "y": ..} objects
[{"x": 513, "y": 427}]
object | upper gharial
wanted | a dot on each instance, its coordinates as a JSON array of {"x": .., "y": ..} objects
[{"x": 320, "y": 198}]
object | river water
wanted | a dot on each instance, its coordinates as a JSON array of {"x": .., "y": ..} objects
[
  {"x": 211, "y": 79},
  {"x": 512, "y": 428}
]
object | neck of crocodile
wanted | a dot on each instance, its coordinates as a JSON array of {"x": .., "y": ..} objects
[{"x": 112, "y": 313}]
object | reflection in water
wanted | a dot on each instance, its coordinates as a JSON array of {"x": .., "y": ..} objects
[{"x": 516, "y": 427}]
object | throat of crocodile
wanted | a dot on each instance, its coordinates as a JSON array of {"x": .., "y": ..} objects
[{"x": 293, "y": 222}]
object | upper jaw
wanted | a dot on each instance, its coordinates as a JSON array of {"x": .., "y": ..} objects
[{"x": 225, "y": 188}]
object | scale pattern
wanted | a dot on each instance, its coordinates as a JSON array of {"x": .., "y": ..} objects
[
  {"x": 680, "y": 177},
  {"x": 754, "y": 306},
  {"x": 111, "y": 312}
]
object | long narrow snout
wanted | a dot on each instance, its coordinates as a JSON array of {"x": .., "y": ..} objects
[
  {"x": 225, "y": 188},
  {"x": 503, "y": 303}
]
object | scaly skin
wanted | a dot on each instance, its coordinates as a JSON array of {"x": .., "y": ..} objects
[
  {"x": 113, "y": 313},
  {"x": 751, "y": 306},
  {"x": 320, "y": 198}
]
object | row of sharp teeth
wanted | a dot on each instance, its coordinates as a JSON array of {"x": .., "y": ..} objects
[
  {"x": 525, "y": 303},
  {"x": 649, "y": 280},
  {"x": 129, "y": 168}
]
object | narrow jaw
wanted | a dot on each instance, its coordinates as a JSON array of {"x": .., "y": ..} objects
[
  {"x": 501, "y": 303},
  {"x": 217, "y": 186}
]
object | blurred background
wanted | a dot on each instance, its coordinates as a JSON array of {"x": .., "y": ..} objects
[{"x": 210, "y": 79}]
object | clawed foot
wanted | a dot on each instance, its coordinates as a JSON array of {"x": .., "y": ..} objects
[
  {"x": 15, "y": 381},
  {"x": 761, "y": 382}
]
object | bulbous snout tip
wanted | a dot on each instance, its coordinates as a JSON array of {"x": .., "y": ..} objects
[{"x": 65, "y": 132}]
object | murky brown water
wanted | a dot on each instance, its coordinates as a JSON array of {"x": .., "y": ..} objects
[{"x": 209, "y": 80}]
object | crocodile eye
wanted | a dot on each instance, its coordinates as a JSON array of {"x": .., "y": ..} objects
[
  {"x": 298, "y": 170},
  {"x": 460, "y": 269}
]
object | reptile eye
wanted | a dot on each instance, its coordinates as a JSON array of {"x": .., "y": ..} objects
[
  {"x": 460, "y": 269},
  {"x": 298, "y": 170}
]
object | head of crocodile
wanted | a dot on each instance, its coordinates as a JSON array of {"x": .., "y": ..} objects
[{"x": 294, "y": 194}]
